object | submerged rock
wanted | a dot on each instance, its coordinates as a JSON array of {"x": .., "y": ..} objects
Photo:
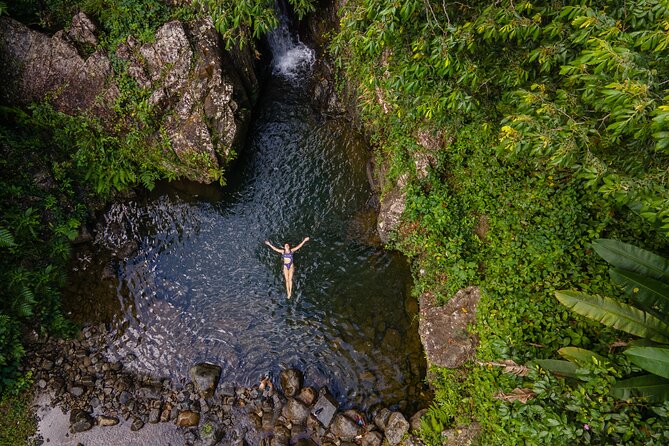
[
  {"x": 205, "y": 376},
  {"x": 295, "y": 411}
]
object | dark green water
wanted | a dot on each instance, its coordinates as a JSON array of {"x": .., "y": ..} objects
[{"x": 202, "y": 286}]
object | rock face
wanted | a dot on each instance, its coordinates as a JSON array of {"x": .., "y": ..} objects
[
  {"x": 443, "y": 330},
  {"x": 393, "y": 204},
  {"x": 37, "y": 65},
  {"x": 81, "y": 421},
  {"x": 201, "y": 94},
  {"x": 205, "y": 377}
]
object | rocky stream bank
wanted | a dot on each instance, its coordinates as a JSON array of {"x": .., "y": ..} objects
[{"x": 97, "y": 394}]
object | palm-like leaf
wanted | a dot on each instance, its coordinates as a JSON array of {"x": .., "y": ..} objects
[
  {"x": 564, "y": 368},
  {"x": 629, "y": 257},
  {"x": 651, "y": 294},
  {"x": 652, "y": 359},
  {"x": 580, "y": 356},
  {"x": 6, "y": 238},
  {"x": 615, "y": 314},
  {"x": 652, "y": 387}
]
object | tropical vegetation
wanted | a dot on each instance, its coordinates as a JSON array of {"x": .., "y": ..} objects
[{"x": 543, "y": 126}]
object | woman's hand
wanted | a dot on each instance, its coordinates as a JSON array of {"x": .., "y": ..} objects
[{"x": 306, "y": 239}]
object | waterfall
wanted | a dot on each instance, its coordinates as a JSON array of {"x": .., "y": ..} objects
[{"x": 291, "y": 58}]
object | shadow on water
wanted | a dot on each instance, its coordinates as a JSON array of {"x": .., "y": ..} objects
[{"x": 202, "y": 286}]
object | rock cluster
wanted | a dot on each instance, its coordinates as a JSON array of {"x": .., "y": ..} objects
[
  {"x": 101, "y": 393},
  {"x": 200, "y": 93}
]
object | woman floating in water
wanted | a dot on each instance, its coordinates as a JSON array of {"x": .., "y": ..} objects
[{"x": 288, "y": 266}]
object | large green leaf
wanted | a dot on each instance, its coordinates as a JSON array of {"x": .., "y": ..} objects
[
  {"x": 557, "y": 366},
  {"x": 615, "y": 314},
  {"x": 652, "y": 359},
  {"x": 651, "y": 294},
  {"x": 580, "y": 356},
  {"x": 629, "y": 257},
  {"x": 651, "y": 387}
]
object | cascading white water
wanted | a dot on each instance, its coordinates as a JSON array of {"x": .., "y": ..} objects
[{"x": 291, "y": 58}]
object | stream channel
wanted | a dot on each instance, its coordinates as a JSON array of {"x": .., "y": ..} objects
[{"x": 202, "y": 286}]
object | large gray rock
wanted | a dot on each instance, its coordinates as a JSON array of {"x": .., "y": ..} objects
[
  {"x": 295, "y": 411},
  {"x": 345, "y": 428},
  {"x": 291, "y": 382},
  {"x": 200, "y": 93},
  {"x": 81, "y": 421},
  {"x": 443, "y": 329},
  {"x": 205, "y": 376},
  {"x": 35, "y": 66},
  {"x": 396, "y": 428}
]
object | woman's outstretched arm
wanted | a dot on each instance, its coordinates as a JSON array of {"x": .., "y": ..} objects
[
  {"x": 306, "y": 239},
  {"x": 273, "y": 247}
]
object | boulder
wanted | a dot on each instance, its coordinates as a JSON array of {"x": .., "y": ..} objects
[
  {"x": 443, "y": 329},
  {"x": 396, "y": 428},
  {"x": 104, "y": 420},
  {"x": 81, "y": 421},
  {"x": 291, "y": 381},
  {"x": 205, "y": 376},
  {"x": 38, "y": 66},
  {"x": 137, "y": 424},
  {"x": 371, "y": 439},
  {"x": 414, "y": 421},
  {"x": 188, "y": 418},
  {"x": 345, "y": 428},
  {"x": 295, "y": 411}
]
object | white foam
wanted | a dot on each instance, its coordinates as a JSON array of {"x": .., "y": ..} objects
[{"x": 291, "y": 58}]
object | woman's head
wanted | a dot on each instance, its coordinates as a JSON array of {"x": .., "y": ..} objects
[{"x": 286, "y": 247}]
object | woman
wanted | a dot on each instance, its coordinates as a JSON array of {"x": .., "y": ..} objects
[{"x": 288, "y": 266}]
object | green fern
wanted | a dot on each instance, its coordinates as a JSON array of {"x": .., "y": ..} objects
[{"x": 6, "y": 238}]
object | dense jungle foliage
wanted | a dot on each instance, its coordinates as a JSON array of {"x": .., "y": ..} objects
[{"x": 545, "y": 125}]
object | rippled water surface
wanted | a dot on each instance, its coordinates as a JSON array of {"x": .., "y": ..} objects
[{"x": 201, "y": 284}]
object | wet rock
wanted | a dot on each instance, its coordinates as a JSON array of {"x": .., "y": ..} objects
[
  {"x": 295, "y": 411},
  {"x": 76, "y": 391},
  {"x": 443, "y": 330},
  {"x": 137, "y": 424},
  {"x": 154, "y": 416},
  {"x": 205, "y": 376},
  {"x": 80, "y": 421},
  {"x": 371, "y": 439},
  {"x": 307, "y": 395},
  {"x": 188, "y": 418},
  {"x": 344, "y": 428},
  {"x": 291, "y": 381},
  {"x": 396, "y": 428},
  {"x": 381, "y": 418},
  {"x": 393, "y": 204},
  {"x": 104, "y": 420},
  {"x": 324, "y": 409}
]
